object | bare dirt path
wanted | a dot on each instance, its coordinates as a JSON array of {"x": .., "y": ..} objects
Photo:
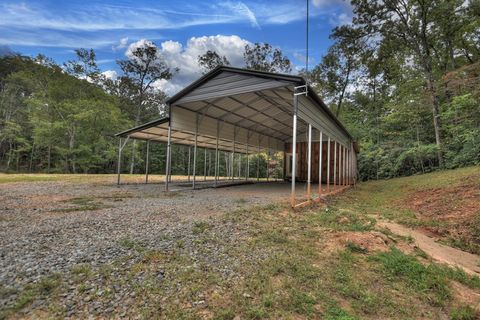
[{"x": 470, "y": 263}]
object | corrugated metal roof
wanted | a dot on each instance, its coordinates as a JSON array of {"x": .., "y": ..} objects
[{"x": 253, "y": 102}]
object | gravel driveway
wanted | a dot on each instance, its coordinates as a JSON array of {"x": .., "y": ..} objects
[{"x": 51, "y": 227}]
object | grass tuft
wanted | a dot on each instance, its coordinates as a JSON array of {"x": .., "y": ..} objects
[{"x": 429, "y": 281}]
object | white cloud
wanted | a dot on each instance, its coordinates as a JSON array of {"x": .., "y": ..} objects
[
  {"x": 243, "y": 10},
  {"x": 121, "y": 44},
  {"x": 110, "y": 74},
  {"x": 330, "y": 3},
  {"x": 340, "y": 12},
  {"x": 186, "y": 57},
  {"x": 340, "y": 19}
]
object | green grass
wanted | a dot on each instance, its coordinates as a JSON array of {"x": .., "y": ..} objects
[
  {"x": 200, "y": 227},
  {"x": 44, "y": 288},
  {"x": 385, "y": 197},
  {"x": 82, "y": 204},
  {"x": 428, "y": 281}
]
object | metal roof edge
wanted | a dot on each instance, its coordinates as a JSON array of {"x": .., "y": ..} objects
[
  {"x": 143, "y": 126},
  {"x": 219, "y": 69},
  {"x": 327, "y": 110}
]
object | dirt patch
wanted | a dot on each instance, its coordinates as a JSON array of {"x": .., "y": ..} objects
[
  {"x": 466, "y": 296},
  {"x": 454, "y": 213},
  {"x": 470, "y": 263},
  {"x": 364, "y": 241}
]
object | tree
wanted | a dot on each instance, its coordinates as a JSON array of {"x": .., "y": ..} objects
[
  {"x": 144, "y": 66},
  {"x": 408, "y": 24},
  {"x": 335, "y": 73},
  {"x": 84, "y": 66},
  {"x": 141, "y": 70},
  {"x": 263, "y": 57},
  {"x": 210, "y": 60}
]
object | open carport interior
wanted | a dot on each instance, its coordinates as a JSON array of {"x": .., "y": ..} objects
[{"x": 246, "y": 113}]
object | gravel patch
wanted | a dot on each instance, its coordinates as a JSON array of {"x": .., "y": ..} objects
[{"x": 51, "y": 227}]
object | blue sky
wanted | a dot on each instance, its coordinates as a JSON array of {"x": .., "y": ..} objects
[{"x": 182, "y": 28}]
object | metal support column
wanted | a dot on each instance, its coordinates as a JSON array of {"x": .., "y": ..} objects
[
  {"x": 320, "y": 158},
  {"x": 328, "y": 164},
  {"x": 188, "y": 166},
  {"x": 169, "y": 156},
  {"x": 309, "y": 162},
  {"x": 344, "y": 166},
  {"x": 239, "y": 165},
  {"x": 205, "y": 166},
  {"x": 233, "y": 153},
  {"x": 195, "y": 154},
  {"x": 247, "y": 173},
  {"x": 216, "y": 154},
  {"x": 119, "y": 164},
  {"x": 268, "y": 157},
  {"x": 258, "y": 160},
  {"x": 335, "y": 165},
  {"x": 147, "y": 161},
  {"x": 349, "y": 154},
  {"x": 340, "y": 164},
  {"x": 294, "y": 149}
]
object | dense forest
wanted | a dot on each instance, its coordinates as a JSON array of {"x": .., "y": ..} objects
[{"x": 404, "y": 77}]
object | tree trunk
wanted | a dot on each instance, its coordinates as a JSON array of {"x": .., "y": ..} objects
[
  {"x": 342, "y": 93},
  {"x": 436, "y": 116},
  {"x": 49, "y": 158},
  {"x": 31, "y": 157},
  {"x": 132, "y": 159},
  {"x": 71, "y": 144},
  {"x": 9, "y": 156}
]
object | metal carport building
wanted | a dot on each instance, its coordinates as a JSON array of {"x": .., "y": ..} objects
[{"x": 245, "y": 111}]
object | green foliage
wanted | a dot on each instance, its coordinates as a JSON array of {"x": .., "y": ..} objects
[
  {"x": 52, "y": 121},
  {"x": 464, "y": 313},
  {"x": 263, "y": 57},
  {"x": 406, "y": 95},
  {"x": 427, "y": 280}
]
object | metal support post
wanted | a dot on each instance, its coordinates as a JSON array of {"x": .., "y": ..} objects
[
  {"x": 188, "y": 166},
  {"x": 195, "y": 153},
  {"x": 119, "y": 164},
  {"x": 169, "y": 156},
  {"x": 147, "y": 162},
  {"x": 205, "y": 166},
  {"x": 216, "y": 155},
  {"x": 258, "y": 160},
  {"x": 328, "y": 164},
  {"x": 294, "y": 149},
  {"x": 320, "y": 158},
  {"x": 247, "y": 173},
  {"x": 335, "y": 165},
  {"x": 309, "y": 162}
]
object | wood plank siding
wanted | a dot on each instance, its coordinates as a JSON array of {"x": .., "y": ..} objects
[{"x": 302, "y": 163}]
